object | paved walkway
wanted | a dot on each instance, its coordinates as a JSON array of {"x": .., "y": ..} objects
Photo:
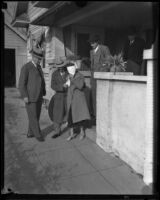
[{"x": 57, "y": 166}]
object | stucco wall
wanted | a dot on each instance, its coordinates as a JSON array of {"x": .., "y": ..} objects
[{"x": 121, "y": 118}]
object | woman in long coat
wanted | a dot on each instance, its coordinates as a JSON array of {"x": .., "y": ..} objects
[
  {"x": 58, "y": 102},
  {"x": 77, "y": 108}
]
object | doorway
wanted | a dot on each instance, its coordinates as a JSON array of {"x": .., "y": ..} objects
[
  {"x": 9, "y": 68},
  {"x": 83, "y": 46}
]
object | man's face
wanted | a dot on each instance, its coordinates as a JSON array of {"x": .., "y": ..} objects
[
  {"x": 36, "y": 60},
  {"x": 94, "y": 45},
  {"x": 131, "y": 37},
  {"x": 61, "y": 69}
]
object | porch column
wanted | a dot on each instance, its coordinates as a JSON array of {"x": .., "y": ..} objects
[
  {"x": 148, "y": 158},
  {"x": 54, "y": 44}
]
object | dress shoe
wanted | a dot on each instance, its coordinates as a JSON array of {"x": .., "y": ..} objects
[
  {"x": 82, "y": 134},
  {"x": 29, "y": 135},
  {"x": 40, "y": 139},
  {"x": 56, "y": 135}
]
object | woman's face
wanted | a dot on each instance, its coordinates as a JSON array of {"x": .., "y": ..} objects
[{"x": 71, "y": 69}]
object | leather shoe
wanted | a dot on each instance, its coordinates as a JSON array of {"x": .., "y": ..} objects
[
  {"x": 29, "y": 135},
  {"x": 40, "y": 139},
  {"x": 56, "y": 135}
]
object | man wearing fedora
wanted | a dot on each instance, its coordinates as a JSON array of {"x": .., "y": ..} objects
[
  {"x": 99, "y": 56},
  {"x": 133, "y": 52},
  {"x": 32, "y": 90},
  {"x": 57, "y": 106}
]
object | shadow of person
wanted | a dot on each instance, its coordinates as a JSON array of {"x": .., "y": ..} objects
[{"x": 47, "y": 130}]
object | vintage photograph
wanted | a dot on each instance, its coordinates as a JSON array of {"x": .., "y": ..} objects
[{"x": 79, "y": 97}]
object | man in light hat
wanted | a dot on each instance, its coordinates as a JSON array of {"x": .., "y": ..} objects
[
  {"x": 99, "y": 56},
  {"x": 133, "y": 52},
  {"x": 57, "y": 106},
  {"x": 32, "y": 90}
]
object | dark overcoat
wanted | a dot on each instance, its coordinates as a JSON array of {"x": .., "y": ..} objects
[
  {"x": 76, "y": 99},
  {"x": 59, "y": 105},
  {"x": 31, "y": 82}
]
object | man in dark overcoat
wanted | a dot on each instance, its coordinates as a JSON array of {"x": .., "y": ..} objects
[
  {"x": 58, "y": 80},
  {"x": 32, "y": 90},
  {"x": 99, "y": 56},
  {"x": 133, "y": 52}
]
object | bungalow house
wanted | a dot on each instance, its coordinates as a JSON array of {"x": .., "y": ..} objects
[{"x": 126, "y": 99}]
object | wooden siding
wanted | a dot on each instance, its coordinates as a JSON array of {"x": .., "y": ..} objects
[{"x": 14, "y": 41}]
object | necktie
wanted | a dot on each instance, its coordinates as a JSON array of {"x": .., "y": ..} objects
[{"x": 39, "y": 70}]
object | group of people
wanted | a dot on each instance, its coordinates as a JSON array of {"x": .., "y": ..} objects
[{"x": 69, "y": 102}]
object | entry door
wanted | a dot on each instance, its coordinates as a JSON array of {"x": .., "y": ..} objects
[
  {"x": 9, "y": 68},
  {"x": 83, "y": 46}
]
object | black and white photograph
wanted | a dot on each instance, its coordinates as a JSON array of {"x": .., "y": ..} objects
[{"x": 80, "y": 97}]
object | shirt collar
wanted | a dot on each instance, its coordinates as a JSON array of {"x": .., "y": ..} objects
[
  {"x": 96, "y": 49},
  {"x": 34, "y": 63}
]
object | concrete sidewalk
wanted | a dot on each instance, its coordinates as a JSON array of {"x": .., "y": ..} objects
[{"x": 57, "y": 166}]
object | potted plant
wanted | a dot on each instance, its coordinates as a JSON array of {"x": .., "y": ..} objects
[{"x": 117, "y": 63}]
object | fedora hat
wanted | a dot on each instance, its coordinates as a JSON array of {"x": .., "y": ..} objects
[
  {"x": 94, "y": 38},
  {"x": 37, "y": 52},
  {"x": 60, "y": 62},
  {"x": 132, "y": 30}
]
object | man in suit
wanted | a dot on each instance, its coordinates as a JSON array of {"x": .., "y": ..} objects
[
  {"x": 32, "y": 90},
  {"x": 99, "y": 56},
  {"x": 57, "y": 106},
  {"x": 133, "y": 52}
]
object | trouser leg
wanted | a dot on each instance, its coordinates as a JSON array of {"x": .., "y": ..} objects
[
  {"x": 33, "y": 119},
  {"x": 38, "y": 109},
  {"x": 57, "y": 127}
]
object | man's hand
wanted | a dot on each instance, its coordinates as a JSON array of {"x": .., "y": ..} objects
[
  {"x": 26, "y": 100},
  {"x": 65, "y": 85}
]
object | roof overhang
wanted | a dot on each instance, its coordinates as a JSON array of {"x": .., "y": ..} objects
[
  {"x": 48, "y": 18},
  {"x": 99, "y": 13},
  {"x": 44, "y": 4},
  {"x": 21, "y": 21},
  {"x": 22, "y": 7},
  {"x": 21, "y": 18}
]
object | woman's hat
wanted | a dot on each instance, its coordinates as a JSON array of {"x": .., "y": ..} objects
[
  {"x": 94, "y": 38},
  {"x": 37, "y": 52}
]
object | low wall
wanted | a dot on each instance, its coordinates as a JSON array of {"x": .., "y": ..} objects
[{"x": 121, "y": 117}]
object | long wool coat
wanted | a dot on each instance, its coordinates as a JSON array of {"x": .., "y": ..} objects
[
  {"x": 59, "y": 104},
  {"x": 76, "y": 99}
]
